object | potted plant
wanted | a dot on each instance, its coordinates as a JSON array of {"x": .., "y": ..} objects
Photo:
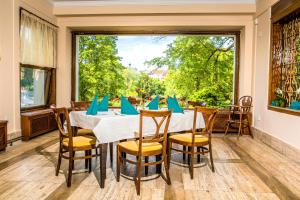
[
  {"x": 280, "y": 100},
  {"x": 296, "y": 104}
]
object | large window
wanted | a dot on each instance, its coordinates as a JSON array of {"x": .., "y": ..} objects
[
  {"x": 192, "y": 67},
  {"x": 34, "y": 87}
]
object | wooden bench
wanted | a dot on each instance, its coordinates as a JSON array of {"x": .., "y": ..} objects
[{"x": 34, "y": 123}]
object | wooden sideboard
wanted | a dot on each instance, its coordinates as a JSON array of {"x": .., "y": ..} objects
[
  {"x": 37, "y": 122},
  {"x": 3, "y": 135}
]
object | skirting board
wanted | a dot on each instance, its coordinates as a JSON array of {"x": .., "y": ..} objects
[
  {"x": 276, "y": 144},
  {"x": 14, "y": 135}
]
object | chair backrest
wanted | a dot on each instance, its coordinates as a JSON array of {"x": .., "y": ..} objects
[
  {"x": 161, "y": 119},
  {"x": 209, "y": 115},
  {"x": 134, "y": 101},
  {"x": 245, "y": 102},
  {"x": 196, "y": 103},
  {"x": 80, "y": 105},
  {"x": 63, "y": 124}
]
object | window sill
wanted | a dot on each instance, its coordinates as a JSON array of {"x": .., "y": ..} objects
[{"x": 284, "y": 110}]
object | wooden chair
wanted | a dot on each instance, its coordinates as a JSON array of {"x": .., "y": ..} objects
[
  {"x": 195, "y": 139},
  {"x": 239, "y": 115},
  {"x": 69, "y": 144},
  {"x": 149, "y": 146},
  {"x": 195, "y": 103},
  {"x": 82, "y": 106},
  {"x": 134, "y": 101}
]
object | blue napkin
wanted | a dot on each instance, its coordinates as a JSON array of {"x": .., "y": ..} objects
[
  {"x": 174, "y": 105},
  {"x": 153, "y": 105},
  {"x": 127, "y": 108},
  {"x": 103, "y": 105},
  {"x": 93, "y": 109}
]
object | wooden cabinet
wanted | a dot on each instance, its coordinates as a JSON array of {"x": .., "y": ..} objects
[
  {"x": 3, "y": 135},
  {"x": 35, "y": 123}
]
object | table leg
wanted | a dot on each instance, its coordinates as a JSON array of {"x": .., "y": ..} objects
[
  {"x": 103, "y": 158},
  {"x": 111, "y": 153},
  {"x": 74, "y": 130}
]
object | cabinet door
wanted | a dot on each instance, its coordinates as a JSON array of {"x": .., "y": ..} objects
[
  {"x": 2, "y": 137},
  {"x": 39, "y": 124}
]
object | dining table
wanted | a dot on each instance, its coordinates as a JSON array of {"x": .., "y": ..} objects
[{"x": 113, "y": 126}]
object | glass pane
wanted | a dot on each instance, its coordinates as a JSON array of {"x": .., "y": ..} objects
[
  {"x": 32, "y": 87},
  {"x": 197, "y": 68}
]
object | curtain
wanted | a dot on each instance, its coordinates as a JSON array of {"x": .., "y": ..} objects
[{"x": 38, "y": 41}]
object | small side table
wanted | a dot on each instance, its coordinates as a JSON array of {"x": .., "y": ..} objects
[{"x": 3, "y": 134}]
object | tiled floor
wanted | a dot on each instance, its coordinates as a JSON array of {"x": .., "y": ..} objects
[{"x": 245, "y": 169}]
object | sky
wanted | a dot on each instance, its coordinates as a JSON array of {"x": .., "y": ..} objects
[{"x": 135, "y": 50}]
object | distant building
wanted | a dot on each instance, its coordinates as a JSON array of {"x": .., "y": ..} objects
[{"x": 158, "y": 73}]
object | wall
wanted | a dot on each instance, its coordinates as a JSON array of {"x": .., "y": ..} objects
[
  {"x": 279, "y": 125},
  {"x": 9, "y": 57}
]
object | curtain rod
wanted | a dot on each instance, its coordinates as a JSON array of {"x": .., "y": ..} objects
[{"x": 21, "y": 8}]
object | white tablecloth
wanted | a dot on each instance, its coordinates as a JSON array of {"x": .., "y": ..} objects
[{"x": 111, "y": 126}]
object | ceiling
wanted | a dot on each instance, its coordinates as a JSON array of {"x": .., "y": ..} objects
[{"x": 163, "y": 2}]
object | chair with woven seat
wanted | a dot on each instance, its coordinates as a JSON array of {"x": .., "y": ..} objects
[
  {"x": 69, "y": 144},
  {"x": 154, "y": 145},
  {"x": 239, "y": 115},
  {"x": 82, "y": 106},
  {"x": 195, "y": 139}
]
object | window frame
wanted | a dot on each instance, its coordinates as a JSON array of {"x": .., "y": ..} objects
[
  {"x": 280, "y": 11},
  {"x": 50, "y": 99},
  {"x": 236, "y": 34}
]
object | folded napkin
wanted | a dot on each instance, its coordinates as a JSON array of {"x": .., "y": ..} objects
[
  {"x": 153, "y": 105},
  {"x": 103, "y": 105},
  {"x": 174, "y": 105},
  {"x": 127, "y": 108},
  {"x": 93, "y": 109}
]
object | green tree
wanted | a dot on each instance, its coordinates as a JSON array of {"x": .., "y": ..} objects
[
  {"x": 200, "y": 68},
  {"x": 148, "y": 86},
  {"x": 100, "y": 69}
]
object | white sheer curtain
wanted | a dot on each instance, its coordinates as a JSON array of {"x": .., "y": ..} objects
[{"x": 38, "y": 41}]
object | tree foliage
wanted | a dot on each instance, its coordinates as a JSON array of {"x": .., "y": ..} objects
[
  {"x": 100, "y": 68},
  {"x": 200, "y": 68}
]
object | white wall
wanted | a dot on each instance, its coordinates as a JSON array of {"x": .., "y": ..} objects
[
  {"x": 282, "y": 126},
  {"x": 9, "y": 54}
]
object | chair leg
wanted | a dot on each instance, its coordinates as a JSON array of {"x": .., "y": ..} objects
[
  {"x": 169, "y": 154},
  {"x": 90, "y": 161},
  {"x": 146, "y": 167},
  {"x": 58, "y": 162},
  {"x": 118, "y": 164},
  {"x": 167, "y": 170},
  {"x": 139, "y": 174},
  {"x": 189, "y": 155},
  {"x": 192, "y": 163},
  {"x": 111, "y": 153},
  {"x": 158, "y": 167},
  {"x": 86, "y": 161},
  {"x": 227, "y": 128},
  {"x": 73, "y": 160},
  {"x": 69, "y": 180},
  {"x": 240, "y": 127},
  {"x": 249, "y": 127},
  {"x": 198, "y": 155},
  {"x": 211, "y": 158},
  {"x": 183, "y": 154}
]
